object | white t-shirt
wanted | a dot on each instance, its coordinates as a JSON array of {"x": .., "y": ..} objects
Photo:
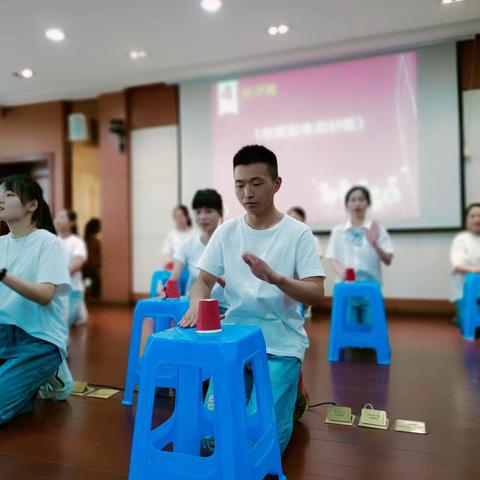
[
  {"x": 465, "y": 250},
  {"x": 349, "y": 247},
  {"x": 189, "y": 254},
  {"x": 289, "y": 249},
  {"x": 40, "y": 258},
  {"x": 75, "y": 247},
  {"x": 175, "y": 239}
]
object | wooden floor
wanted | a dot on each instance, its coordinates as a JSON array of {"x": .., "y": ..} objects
[{"x": 434, "y": 376}]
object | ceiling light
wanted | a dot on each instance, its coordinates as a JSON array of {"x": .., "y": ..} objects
[
  {"x": 282, "y": 29},
  {"x": 24, "y": 73},
  {"x": 273, "y": 30},
  {"x": 55, "y": 34},
  {"x": 449, "y": 2},
  {"x": 211, "y": 5},
  {"x": 137, "y": 54}
]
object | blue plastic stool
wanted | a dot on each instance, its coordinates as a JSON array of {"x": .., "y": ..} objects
[
  {"x": 163, "y": 312},
  {"x": 163, "y": 275},
  {"x": 471, "y": 309},
  {"x": 343, "y": 336},
  {"x": 246, "y": 446}
]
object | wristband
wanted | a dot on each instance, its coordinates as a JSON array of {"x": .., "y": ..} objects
[{"x": 3, "y": 272}]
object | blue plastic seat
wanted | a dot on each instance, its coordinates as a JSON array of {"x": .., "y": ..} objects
[
  {"x": 470, "y": 305},
  {"x": 344, "y": 335},
  {"x": 161, "y": 276},
  {"x": 246, "y": 446},
  {"x": 165, "y": 313}
]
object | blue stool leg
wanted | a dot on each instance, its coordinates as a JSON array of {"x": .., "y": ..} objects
[
  {"x": 188, "y": 406},
  {"x": 133, "y": 354}
]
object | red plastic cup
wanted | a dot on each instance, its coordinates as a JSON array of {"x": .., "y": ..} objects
[
  {"x": 171, "y": 289},
  {"x": 208, "y": 316},
  {"x": 349, "y": 275}
]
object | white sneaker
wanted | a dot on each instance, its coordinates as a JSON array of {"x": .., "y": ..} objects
[{"x": 59, "y": 385}]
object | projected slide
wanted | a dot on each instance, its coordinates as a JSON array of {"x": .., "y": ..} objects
[{"x": 330, "y": 126}]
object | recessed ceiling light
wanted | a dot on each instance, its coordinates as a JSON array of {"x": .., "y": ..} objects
[
  {"x": 137, "y": 54},
  {"x": 449, "y": 2},
  {"x": 278, "y": 29},
  {"x": 55, "y": 34},
  {"x": 24, "y": 73},
  {"x": 273, "y": 30},
  {"x": 211, "y": 5}
]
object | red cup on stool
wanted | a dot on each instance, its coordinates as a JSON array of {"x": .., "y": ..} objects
[
  {"x": 349, "y": 275},
  {"x": 171, "y": 289},
  {"x": 208, "y": 316}
]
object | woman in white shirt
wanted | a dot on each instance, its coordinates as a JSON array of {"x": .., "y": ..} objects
[
  {"x": 208, "y": 207},
  {"x": 33, "y": 280},
  {"x": 360, "y": 244},
  {"x": 175, "y": 238},
  {"x": 76, "y": 253},
  {"x": 465, "y": 255}
]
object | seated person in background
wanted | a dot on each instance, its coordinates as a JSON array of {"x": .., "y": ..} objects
[
  {"x": 208, "y": 207},
  {"x": 465, "y": 255},
  {"x": 76, "y": 252},
  {"x": 270, "y": 264},
  {"x": 34, "y": 282},
  {"x": 182, "y": 232},
  {"x": 299, "y": 214},
  {"x": 360, "y": 244}
]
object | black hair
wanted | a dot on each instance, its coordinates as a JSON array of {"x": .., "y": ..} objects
[
  {"x": 471, "y": 207},
  {"x": 184, "y": 209},
  {"x": 208, "y": 198},
  {"x": 299, "y": 211},
  {"x": 92, "y": 227},
  {"x": 27, "y": 189},
  {"x": 257, "y": 154},
  {"x": 363, "y": 189},
  {"x": 72, "y": 216}
]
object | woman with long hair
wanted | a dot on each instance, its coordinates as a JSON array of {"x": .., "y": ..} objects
[{"x": 33, "y": 281}]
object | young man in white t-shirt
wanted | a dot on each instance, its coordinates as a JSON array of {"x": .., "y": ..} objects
[{"x": 271, "y": 266}]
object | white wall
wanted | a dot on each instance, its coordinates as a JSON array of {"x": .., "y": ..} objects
[{"x": 154, "y": 194}]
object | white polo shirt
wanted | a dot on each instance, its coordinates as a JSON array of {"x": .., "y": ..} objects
[
  {"x": 465, "y": 250},
  {"x": 75, "y": 247},
  {"x": 349, "y": 246},
  {"x": 289, "y": 249}
]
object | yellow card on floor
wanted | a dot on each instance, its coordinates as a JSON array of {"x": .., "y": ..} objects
[
  {"x": 103, "y": 393},
  {"x": 410, "y": 426},
  {"x": 79, "y": 387},
  {"x": 339, "y": 415},
  {"x": 372, "y": 418}
]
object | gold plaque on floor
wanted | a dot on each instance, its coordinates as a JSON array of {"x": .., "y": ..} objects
[
  {"x": 410, "y": 426},
  {"x": 81, "y": 389},
  {"x": 371, "y": 418},
  {"x": 103, "y": 393},
  {"x": 339, "y": 415}
]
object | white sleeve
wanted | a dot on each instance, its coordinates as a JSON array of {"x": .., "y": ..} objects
[
  {"x": 307, "y": 260},
  {"x": 167, "y": 248},
  {"x": 181, "y": 253},
  {"x": 332, "y": 248},
  {"x": 79, "y": 249},
  {"x": 384, "y": 241},
  {"x": 458, "y": 252},
  {"x": 212, "y": 259},
  {"x": 52, "y": 266}
]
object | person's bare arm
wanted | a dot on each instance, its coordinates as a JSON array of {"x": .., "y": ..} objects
[
  {"x": 308, "y": 290},
  {"x": 76, "y": 264},
  {"x": 467, "y": 268},
  {"x": 41, "y": 293},
  {"x": 201, "y": 289}
]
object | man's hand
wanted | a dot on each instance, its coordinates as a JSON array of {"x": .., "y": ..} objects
[
  {"x": 373, "y": 233},
  {"x": 261, "y": 269}
]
